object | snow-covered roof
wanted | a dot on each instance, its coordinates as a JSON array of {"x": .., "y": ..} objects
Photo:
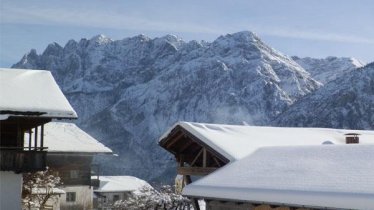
[
  {"x": 62, "y": 137},
  {"x": 53, "y": 191},
  {"x": 120, "y": 184},
  {"x": 237, "y": 141},
  {"x": 336, "y": 176},
  {"x": 32, "y": 93}
]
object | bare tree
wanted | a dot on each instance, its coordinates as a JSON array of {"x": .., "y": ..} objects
[
  {"x": 148, "y": 198},
  {"x": 38, "y": 188}
]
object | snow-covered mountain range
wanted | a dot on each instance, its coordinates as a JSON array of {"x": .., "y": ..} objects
[
  {"x": 128, "y": 92},
  {"x": 327, "y": 69},
  {"x": 347, "y": 102}
]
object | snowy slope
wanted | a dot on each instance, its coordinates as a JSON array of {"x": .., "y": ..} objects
[
  {"x": 128, "y": 92},
  {"x": 347, "y": 102},
  {"x": 327, "y": 69}
]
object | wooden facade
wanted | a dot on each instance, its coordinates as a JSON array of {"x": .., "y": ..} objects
[
  {"x": 14, "y": 155},
  {"x": 75, "y": 171}
]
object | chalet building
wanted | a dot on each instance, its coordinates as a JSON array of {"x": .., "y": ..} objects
[
  {"x": 70, "y": 155},
  {"x": 200, "y": 149},
  {"x": 115, "y": 188},
  {"x": 292, "y": 177},
  {"x": 29, "y": 100}
]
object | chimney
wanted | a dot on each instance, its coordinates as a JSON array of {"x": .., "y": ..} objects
[{"x": 352, "y": 138}]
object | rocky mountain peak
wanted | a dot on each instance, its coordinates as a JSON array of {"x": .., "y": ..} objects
[
  {"x": 244, "y": 39},
  {"x": 29, "y": 60},
  {"x": 100, "y": 39},
  {"x": 71, "y": 45},
  {"x": 53, "y": 49}
]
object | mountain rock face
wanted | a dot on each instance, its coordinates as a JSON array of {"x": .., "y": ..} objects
[
  {"x": 128, "y": 92},
  {"x": 347, "y": 102},
  {"x": 327, "y": 69}
]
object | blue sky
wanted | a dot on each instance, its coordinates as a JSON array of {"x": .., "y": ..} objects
[{"x": 316, "y": 28}]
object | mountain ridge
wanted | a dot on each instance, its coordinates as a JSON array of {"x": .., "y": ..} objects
[
  {"x": 128, "y": 92},
  {"x": 346, "y": 102},
  {"x": 329, "y": 68}
]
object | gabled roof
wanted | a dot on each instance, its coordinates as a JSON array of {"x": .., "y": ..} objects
[
  {"x": 237, "y": 141},
  {"x": 335, "y": 176},
  {"x": 120, "y": 184},
  {"x": 62, "y": 137},
  {"x": 32, "y": 93}
]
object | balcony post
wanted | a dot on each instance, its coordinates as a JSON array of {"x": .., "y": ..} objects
[
  {"x": 36, "y": 138},
  {"x": 42, "y": 137},
  {"x": 30, "y": 133}
]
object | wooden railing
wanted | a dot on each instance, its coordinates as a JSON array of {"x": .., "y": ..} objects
[{"x": 23, "y": 159}]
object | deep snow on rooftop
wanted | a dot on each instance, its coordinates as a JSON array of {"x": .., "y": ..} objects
[
  {"x": 120, "y": 184},
  {"x": 67, "y": 137},
  {"x": 32, "y": 93},
  {"x": 337, "y": 176},
  {"x": 237, "y": 141}
]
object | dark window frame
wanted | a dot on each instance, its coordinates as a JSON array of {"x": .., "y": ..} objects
[
  {"x": 116, "y": 198},
  {"x": 71, "y": 196}
]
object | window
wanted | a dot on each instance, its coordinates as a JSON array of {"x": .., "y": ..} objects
[
  {"x": 115, "y": 198},
  {"x": 70, "y": 196},
  {"x": 74, "y": 174}
]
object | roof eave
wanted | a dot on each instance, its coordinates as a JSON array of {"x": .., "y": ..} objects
[{"x": 78, "y": 153}]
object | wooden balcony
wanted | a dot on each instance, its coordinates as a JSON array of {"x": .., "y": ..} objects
[{"x": 22, "y": 159}]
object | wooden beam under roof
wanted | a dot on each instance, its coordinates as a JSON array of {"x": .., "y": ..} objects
[
  {"x": 204, "y": 158},
  {"x": 185, "y": 146},
  {"x": 197, "y": 157},
  {"x": 169, "y": 141},
  {"x": 217, "y": 162},
  {"x": 195, "y": 171},
  {"x": 174, "y": 140}
]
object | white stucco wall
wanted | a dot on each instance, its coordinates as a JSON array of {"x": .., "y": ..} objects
[
  {"x": 84, "y": 195},
  {"x": 10, "y": 190},
  {"x": 109, "y": 198}
]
